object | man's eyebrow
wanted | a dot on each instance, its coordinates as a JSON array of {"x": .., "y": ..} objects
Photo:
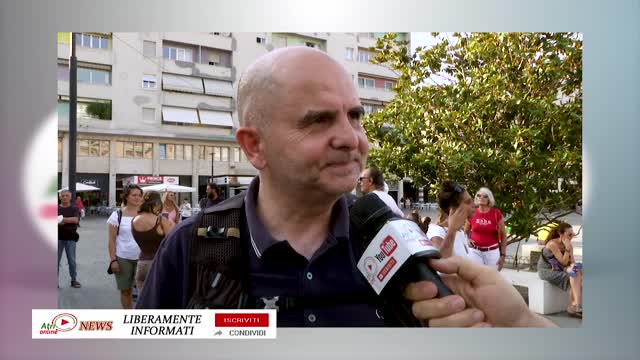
[{"x": 311, "y": 116}]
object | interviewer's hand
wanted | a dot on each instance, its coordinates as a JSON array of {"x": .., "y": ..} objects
[
  {"x": 449, "y": 311},
  {"x": 482, "y": 288}
]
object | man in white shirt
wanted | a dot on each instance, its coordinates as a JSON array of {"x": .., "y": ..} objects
[{"x": 371, "y": 180}]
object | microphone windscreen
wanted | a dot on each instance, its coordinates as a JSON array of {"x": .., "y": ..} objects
[{"x": 368, "y": 214}]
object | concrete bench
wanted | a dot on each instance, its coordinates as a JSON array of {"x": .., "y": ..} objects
[{"x": 544, "y": 298}]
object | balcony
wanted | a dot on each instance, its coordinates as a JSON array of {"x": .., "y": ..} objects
[
  {"x": 96, "y": 56},
  {"x": 194, "y": 101},
  {"x": 366, "y": 42},
  {"x": 375, "y": 94},
  {"x": 87, "y": 90},
  {"x": 202, "y": 39},
  {"x": 195, "y": 69},
  {"x": 315, "y": 35},
  {"x": 374, "y": 69}
]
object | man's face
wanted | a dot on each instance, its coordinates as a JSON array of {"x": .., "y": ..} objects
[
  {"x": 365, "y": 181},
  {"x": 65, "y": 197},
  {"x": 315, "y": 141},
  {"x": 211, "y": 192}
]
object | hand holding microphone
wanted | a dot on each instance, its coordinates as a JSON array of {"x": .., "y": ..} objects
[
  {"x": 400, "y": 263},
  {"x": 395, "y": 254}
]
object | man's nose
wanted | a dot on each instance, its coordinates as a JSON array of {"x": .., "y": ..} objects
[{"x": 344, "y": 135}]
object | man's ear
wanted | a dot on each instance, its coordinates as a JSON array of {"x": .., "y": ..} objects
[{"x": 252, "y": 143}]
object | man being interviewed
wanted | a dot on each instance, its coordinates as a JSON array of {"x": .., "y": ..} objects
[{"x": 286, "y": 242}]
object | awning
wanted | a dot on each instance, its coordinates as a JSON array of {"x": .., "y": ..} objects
[
  {"x": 218, "y": 87},
  {"x": 179, "y": 115},
  {"x": 182, "y": 83},
  {"x": 216, "y": 118}
]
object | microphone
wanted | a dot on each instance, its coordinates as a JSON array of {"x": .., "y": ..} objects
[{"x": 395, "y": 254}]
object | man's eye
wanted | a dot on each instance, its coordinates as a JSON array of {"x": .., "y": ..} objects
[{"x": 355, "y": 115}]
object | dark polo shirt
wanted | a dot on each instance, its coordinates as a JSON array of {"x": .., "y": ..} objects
[{"x": 325, "y": 291}]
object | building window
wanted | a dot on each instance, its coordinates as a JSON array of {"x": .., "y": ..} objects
[
  {"x": 175, "y": 152},
  {"x": 134, "y": 150},
  {"x": 176, "y": 53},
  {"x": 60, "y": 149},
  {"x": 261, "y": 40},
  {"x": 148, "y": 115},
  {"x": 388, "y": 85},
  {"x": 219, "y": 153},
  {"x": 236, "y": 154},
  {"x": 63, "y": 72},
  {"x": 149, "y": 82},
  {"x": 94, "y": 76},
  {"x": 365, "y": 56},
  {"x": 149, "y": 48},
  {"x": 87, "y": 108},
  {"x": 179, "y": 152},
  {"x": 366, "y": 83},
  {"x": 137, "y": 148},
  {"x": 105, "y": 148},
  {"x": 93, "y": 148},
  {"x": 148, "y": 151},
  {"x": 348, "y": 54},
  {"x": 92, "y": 41}
]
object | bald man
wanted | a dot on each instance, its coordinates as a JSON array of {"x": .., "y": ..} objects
[{"x": 286, "y": 243}]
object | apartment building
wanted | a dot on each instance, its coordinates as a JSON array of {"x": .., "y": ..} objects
[{"x": 161, "y": 107}]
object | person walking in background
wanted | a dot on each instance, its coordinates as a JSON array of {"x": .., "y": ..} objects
[
  {"x": 148, "y": 229},
  {"x": 213, "y": 196},
  {"x": 488, "y": 236},
  {"x": 185, "y": 209},
  {"x": 80, "y": 206},
  {"x": 68, "y": 218},
  {"x": 123, "y": 249},
  {"x": 557, "y": 265},
  {"x": 169, "y": 207},
  {"x": 456, "y": 208}
]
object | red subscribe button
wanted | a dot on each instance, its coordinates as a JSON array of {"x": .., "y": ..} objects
[{"x": 242, "y": 320}]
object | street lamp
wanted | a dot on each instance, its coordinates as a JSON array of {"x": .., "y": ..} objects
[{"x": 73, "y": 123}]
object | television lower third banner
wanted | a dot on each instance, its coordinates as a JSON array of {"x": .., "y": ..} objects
[{"x": 153, "y": 324}]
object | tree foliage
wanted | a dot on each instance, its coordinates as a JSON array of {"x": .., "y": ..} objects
[{"x": 502, "y": 110}]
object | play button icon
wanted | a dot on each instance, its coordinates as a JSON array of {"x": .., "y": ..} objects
[{"x": 65, "y": 322}]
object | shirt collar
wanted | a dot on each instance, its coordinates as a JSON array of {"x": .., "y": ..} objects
[{"x": 261, "y": 240}]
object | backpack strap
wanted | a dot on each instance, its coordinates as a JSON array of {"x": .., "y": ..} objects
[
  {"x": 119, "y": 220},
  {"x": 218, "y": 257}
]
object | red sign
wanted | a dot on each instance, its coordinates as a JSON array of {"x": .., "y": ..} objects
[
  {"x": 388, "y": 245},
  {"x": 242, "y": 320},
  {"x": 144, "y": 180},
  {"x": 387, "y": 268}
]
